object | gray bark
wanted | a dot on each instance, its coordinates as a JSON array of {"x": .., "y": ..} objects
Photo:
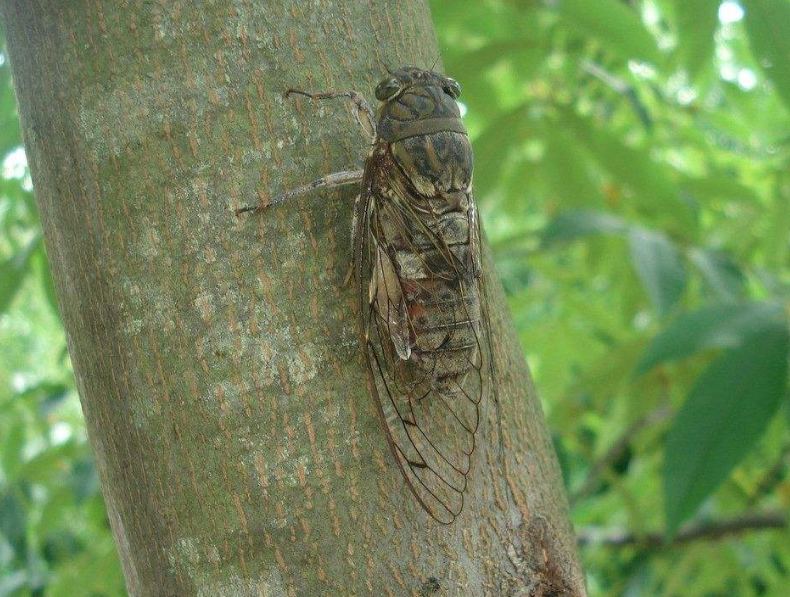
[{"x": 217, "y": 359}]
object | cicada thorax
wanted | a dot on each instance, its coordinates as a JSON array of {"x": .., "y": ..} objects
[{"x": 425, "y": 293}]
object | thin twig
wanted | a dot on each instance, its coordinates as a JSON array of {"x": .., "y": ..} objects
[
  {"x": 771, "y": 478},
  {"x": 751, "y": 521},
  {"x": 598, "y": 469},
  {"x": 623, "y": 88}
]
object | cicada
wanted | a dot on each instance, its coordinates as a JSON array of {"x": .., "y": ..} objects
[{"x": 417, "y": 262}]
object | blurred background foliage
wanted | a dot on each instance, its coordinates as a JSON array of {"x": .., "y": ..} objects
[{"x": 632, "y": 167}]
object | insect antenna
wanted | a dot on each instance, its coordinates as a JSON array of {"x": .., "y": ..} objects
[{"x": 436, "y": 61}]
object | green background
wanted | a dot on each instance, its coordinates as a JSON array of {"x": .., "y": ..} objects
[{"x": 633, "y": 173}]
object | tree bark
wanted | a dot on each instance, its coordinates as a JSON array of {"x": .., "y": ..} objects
[{"x": 217, "y": 359}]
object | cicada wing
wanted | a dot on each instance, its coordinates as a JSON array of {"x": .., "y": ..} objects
[
  {"x": 429, "y": 402},
  {"x": 387, "y": 293},
  {"x": 487, "y": 345},
  {"x": 489, "y": 361}
]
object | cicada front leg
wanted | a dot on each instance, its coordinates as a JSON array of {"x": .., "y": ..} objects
[{"x": 363, "y": 115}]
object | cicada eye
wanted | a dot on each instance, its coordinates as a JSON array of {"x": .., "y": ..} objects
[
  {"x": 452, "y": 88},
  {"x": 388, "y": 89}
]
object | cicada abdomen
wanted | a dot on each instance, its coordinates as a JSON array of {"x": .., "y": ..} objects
[{"x": 423, "y": 324}]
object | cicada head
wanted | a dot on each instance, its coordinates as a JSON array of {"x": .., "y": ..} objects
[
  {"x": 411, "y": 94},
  {"x": 401, "y": 80}
]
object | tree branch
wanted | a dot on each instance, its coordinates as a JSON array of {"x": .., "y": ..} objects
[
  {"x": 218, "y": 359},
  {"x": 771, "y": 478},
  {"x": 597, "y": 470},
  {"x": 751, "y": 521}
]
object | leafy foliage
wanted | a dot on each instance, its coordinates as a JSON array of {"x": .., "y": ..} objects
[
  {"x": 632, "y": 166},
  {"x": 727, "y": 410},
  {"x": 633, "y": 178}
]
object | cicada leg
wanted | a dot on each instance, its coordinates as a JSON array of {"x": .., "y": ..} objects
[
  {"x": 363, "y": 112},
  {"x": 354, "y": 224},
  {"x": 364, "y": 116},
  {"x": 336, "y": 179}
]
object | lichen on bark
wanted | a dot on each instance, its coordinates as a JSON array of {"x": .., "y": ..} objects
[{"x": 217, "y": 359}]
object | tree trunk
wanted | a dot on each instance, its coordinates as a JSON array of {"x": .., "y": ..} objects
[{"x": 217, "y": 359}]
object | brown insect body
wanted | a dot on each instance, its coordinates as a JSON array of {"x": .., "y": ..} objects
[
  {"x": 419, "y": 255},
  {"x": 423, "y": 323}
]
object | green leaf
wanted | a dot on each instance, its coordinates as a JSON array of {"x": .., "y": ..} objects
[
  {"x": 615, "y": 25},
  {"x": 579, "y": 223},
  {"x": 697, "y": 21},
  {"x": 61, "y": 545},
  {"x": 567, "y": 169},
  {"x": 89, "y": 574},
  {"x": 473, "y": 62},
  {"x": 12, "y": 442},
  {"x": 477, "y": 70},
  {"x": 768, "y": 25},
  {"x": 10, "y": 136},
  {"x": 730, "y": 405},
  {"x": 45, "y": 277},
  {"x": 13, "y": 582},
  {"x": 655, "y": 194},
  {"x": 776, "y": 237},
  {"x": 608, "y": 374},
  {"x": 84, "y": 479},
  {"x": 718, "y": 187},
  {"x": 563, "y": 458},
  {"x": 494, "y": 146},
  {"x": 45, "y": 466},
  {"x": 13, "y": 522},
  {"x": 718, "y": 326},
  {"x": 722, "y": 276},
  {"x": 659, "y": 267},
  {"x": 13, "y": 272}
]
